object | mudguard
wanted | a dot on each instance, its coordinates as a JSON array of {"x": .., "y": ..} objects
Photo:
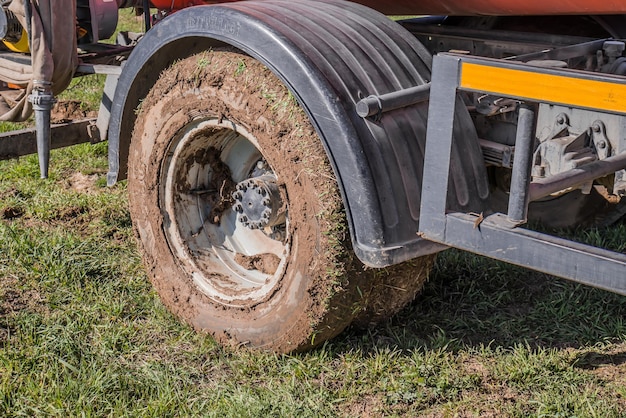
[{"x": 330, "y": 54}]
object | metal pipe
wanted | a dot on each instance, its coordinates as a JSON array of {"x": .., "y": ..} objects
[
  {"x": 576, "y": 176},
  {"x": 28, "y": 15},
  {"x": 375, "y": 105},
  {"x": 146, "y": 14},
  {"x": 520, "y": 178},
  {"x": 42, "y": 100}
]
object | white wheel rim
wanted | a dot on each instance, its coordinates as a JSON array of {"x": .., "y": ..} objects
[{"x": 207, "y": 250}]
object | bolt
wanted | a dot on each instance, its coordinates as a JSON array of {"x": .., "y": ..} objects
[
  {"x": 244, "y": 219},
  {"x": 238, "y": 208},
  {"x": 596, "y": 127},
  {"x": 602, "y": 145},
  {"x": 560, "y": 119},
  {"x": 266, "y": 201}
]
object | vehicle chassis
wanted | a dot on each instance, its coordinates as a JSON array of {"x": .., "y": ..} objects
[{"x": 440, "y": 223}]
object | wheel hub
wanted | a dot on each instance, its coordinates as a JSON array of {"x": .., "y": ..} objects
[
  {"x": 232, "y": 263},
  {"x": 258, "y": 203}
]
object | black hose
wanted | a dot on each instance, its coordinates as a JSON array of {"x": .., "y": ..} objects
[
  {"x": 29, "y": 15},
  {"x": 146, "y": 14}
]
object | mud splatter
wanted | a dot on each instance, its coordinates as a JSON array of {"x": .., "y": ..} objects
[{"x": 265, "y": 263}]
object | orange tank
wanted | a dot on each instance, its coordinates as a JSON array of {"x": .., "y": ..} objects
[
  {"x": 462, "y": 7},
  {"x": 497, "y": 7}
]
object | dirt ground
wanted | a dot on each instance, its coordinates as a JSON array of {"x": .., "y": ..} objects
[{"x": 67, "y": 110}]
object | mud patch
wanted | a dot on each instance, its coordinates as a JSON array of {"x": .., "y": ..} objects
[
  {"x": 11, "y": 213},
  {"x": 365, "y": 407},
  {"x": 70, "y": 213},
  {"x": 68, "y": 110},
  {"x": 14, "y": 300},
  {"x": 221, "y": 182},
  {"x": 265, "y": 263},
  {"x": 83, "y": 183}
]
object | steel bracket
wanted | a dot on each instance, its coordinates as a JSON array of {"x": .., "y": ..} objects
[{"x": 498, "y": 236}]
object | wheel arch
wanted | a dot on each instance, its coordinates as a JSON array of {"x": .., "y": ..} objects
[{"x": 378, "y": 172}]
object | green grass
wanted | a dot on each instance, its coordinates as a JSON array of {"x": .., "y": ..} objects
[{"x": 82, "y": 333}]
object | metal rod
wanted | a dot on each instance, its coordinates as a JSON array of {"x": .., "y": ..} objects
[
  {"x": 29, "y": 31},
  {"x": 24, "y": 142},
  {"x": 557, "y": 256},
  {"x": 375, "y": 105},
  {"x": 42, "y": 100},
  {"x": 146, "y": 14},
  {"x": 520, "y": 178},
  {"x": 577, "y": 176}
]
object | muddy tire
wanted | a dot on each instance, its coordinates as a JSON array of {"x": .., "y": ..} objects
[
  {"x": 392, "y": 289},
  {"x": 217, "y": 130}
]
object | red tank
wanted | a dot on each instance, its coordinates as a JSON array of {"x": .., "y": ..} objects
[{"x": 461, "y": 7}]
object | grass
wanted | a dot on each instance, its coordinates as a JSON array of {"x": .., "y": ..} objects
[{"x": 83, "y": 334}]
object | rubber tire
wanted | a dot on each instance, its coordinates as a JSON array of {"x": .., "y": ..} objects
[
  {"x": 391, "y": 289},
  {"x": 315, "y": 298}
]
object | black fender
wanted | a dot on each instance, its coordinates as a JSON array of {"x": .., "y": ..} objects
[{"x": 330, "y": 54}]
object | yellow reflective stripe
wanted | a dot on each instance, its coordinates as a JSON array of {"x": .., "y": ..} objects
[{"x": 576, "y": 92}]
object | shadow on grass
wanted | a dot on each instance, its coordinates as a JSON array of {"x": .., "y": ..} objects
[
  {"x": 473, "y": 302},
  {"x": 594, "y": 360}
]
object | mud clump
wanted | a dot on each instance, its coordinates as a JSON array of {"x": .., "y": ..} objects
[
  {"x": 223, "y": 184},
  {"x": 68, "y": 110},
  {"x": 11, "y": 213},
  {"x": 265, "y": 263}
]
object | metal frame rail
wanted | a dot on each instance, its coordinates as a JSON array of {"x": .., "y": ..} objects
[{"x": 499, "y": 236}]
